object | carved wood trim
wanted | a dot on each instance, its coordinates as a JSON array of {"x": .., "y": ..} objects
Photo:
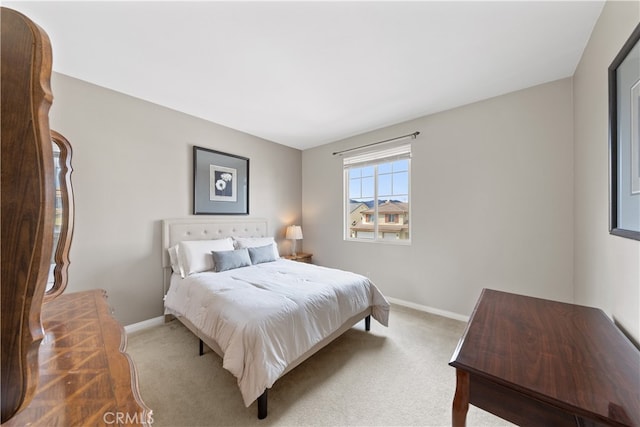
[
  {"x": 61, "y": 254},
  {"x": 27, "y": 203}
]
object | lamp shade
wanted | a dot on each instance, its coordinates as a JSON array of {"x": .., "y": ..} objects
[{"x": 294, "y": 232}]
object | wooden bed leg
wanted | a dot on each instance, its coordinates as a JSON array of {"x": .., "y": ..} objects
[
  {"x": 262, "y": 406},
  {"x": 367, "y": 323},
  {"x": 201, "y": 348}
]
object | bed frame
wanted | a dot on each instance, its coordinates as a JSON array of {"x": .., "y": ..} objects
[{"x": 177, "y": 230}]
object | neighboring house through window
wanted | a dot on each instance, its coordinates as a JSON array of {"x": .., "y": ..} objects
[{"x": 377, "y": 195}]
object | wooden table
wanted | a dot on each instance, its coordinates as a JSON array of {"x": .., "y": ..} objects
[
  {"x": 538, "y": 362},
  {"x": 85, "y": 376}
]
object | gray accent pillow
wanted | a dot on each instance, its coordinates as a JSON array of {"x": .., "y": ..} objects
[
  {"x": 228, "y": 260},
  {"x": 262, "y": 254}
]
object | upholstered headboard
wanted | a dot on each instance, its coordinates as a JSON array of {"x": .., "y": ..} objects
[{"x": 177, "y": 230}]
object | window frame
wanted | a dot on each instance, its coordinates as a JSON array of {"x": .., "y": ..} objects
[{"x": 376, "y": 158}]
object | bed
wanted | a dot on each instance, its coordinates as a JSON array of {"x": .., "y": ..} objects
[{"x": 264, "y": 315}]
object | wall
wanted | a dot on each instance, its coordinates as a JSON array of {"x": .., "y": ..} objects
[
  {"x": 492, "y": 203},
  {"x": 132, "y": 164},
  {"x": 607, "y": 268}
]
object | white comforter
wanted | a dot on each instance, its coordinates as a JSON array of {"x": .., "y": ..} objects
[{"x": 265, "y": 316}]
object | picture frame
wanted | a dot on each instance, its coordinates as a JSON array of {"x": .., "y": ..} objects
[
  {"x": 624, "y": 140},
  {"x": 220, "y": 183}
]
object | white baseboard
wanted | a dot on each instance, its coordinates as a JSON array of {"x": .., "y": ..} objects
[
  {"x": 428, "y": 309},
  {"x": 145, "y": 324}
]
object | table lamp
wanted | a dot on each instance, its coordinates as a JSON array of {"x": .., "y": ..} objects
[{"x": 294, "y": 232}]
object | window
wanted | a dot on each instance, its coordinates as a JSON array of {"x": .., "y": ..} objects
[{"x": 377, "y": 195}]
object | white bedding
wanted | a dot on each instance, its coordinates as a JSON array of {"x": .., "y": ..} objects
[{"x": 267, "y": 315}]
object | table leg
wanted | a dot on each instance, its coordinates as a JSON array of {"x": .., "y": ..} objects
[{"x": 460, "y": 399}]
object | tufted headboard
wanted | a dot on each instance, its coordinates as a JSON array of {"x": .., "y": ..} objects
[{"x": 178, "y": 230}]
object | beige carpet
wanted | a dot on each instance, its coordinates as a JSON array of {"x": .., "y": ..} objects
[{"x": 396, "y": 376}]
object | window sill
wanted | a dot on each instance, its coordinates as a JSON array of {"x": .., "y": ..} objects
[{"x": 381, "y": 242}]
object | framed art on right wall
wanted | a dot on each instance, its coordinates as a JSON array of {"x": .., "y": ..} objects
[{"x": 624, "y": 140}]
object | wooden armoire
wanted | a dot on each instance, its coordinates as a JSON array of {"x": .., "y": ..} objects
[{"x": 79, "y": 374}]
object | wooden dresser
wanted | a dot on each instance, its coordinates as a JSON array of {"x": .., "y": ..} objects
[
  {"x": 85, "y": 376},
  {"x": 537, "y": 362}
]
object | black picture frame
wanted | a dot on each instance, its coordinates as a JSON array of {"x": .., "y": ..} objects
[
  {"x": 624, "y": 140},
  {"x": 220, "y": 183}
]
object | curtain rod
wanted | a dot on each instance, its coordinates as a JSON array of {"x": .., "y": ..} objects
[{"x": 411, "y": 135}]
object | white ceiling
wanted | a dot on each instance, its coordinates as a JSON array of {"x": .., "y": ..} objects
[{"x": 308, "y": 73}]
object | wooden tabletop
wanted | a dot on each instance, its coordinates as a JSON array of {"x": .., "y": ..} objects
[
  {"x": 570, "y": 356},
  {"x": 86, "y": 378}
]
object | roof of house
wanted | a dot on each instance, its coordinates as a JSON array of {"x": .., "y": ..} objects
[
  {"x": 389, "y": 207},
  {"x": 355, "y": 205}
]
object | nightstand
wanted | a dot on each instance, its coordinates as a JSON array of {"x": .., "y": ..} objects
[{"x": 300, "y": 257}]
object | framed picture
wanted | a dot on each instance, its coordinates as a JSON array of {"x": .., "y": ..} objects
[
  {"x": 220, "y": 183},
  {"x": 624, "y": 140}
]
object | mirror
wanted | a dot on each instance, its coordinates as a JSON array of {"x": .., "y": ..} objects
[{"x": 63, "y": 223}]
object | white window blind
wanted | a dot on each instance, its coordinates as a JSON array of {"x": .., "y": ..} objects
[{"x": 378, "y": 156}]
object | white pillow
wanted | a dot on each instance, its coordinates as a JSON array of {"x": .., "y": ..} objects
[
  {"x": 255, "y": 242},
  {"x": 195, "y": 255},
  {"x": 175, "y": 260}
]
